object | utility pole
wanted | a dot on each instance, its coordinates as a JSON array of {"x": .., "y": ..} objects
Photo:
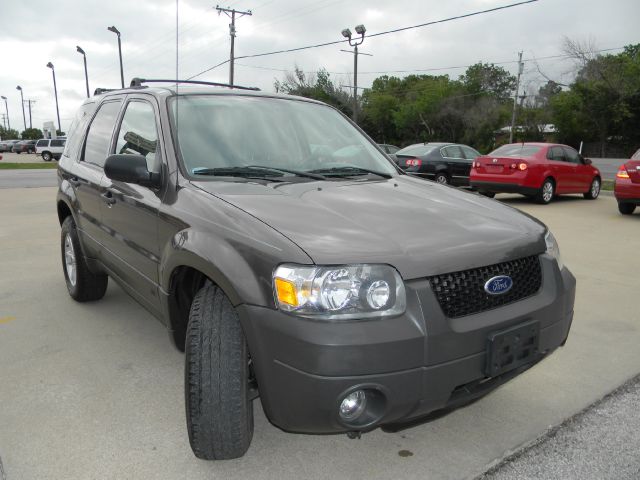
[
  {"x": 515, "y": 97},
  {"x": 346, "y": 33},
  {"x": 29, "y": 102},
  {"x": 231, "y": 13}
]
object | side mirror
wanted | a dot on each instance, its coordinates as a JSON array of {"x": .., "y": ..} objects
[
  {"x": 131, "y": 169},
  {"x": 587, "y": 161}
]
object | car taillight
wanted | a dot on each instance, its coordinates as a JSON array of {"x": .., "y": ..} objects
[
  {"x": 522, "y": 166},
  {"x": 414, "y": 162},
  {"x": 622, "y": 172}
]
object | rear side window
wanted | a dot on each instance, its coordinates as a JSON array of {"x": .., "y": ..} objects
[
  {"x": 98, "y": 141},
  {"x": 636, "y": 156},
  {"x": 57, "y": 143},
  {"x": 77, "y": 129},
  {"x": 556, "y": 154},
  {"x": 452, "y": 151},
  {"x": 138, "y": 134},
  {"x": 42, "y": 143}
]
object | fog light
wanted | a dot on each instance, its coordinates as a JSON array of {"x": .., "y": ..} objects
[{"x": 353, "y": 405}]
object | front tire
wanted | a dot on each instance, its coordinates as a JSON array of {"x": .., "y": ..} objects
[
  {"x": 546, "y": 192},
  {"x": 46, "y": 156},
  {"x": 217, "y": 398},
  {"x": 626, "y": 208},
  {"x": 594, "y": 190},
  {"x": 82, "y": 284}
]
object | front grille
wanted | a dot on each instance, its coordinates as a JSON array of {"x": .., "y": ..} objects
[{"x": 462, "y": 293}]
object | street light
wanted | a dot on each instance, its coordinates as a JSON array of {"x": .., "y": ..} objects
[
  {"x": 24, "y": 117},
  {"x": 7, "y": 110},
  {"x": 346, "y": 33},
  {"x": 55, "y": 91},
  {"x": 117, "y": 32},
  {"x": 86, "y": 75}
]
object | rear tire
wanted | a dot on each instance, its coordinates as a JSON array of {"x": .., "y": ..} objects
[
  {"x": 441, "y": 178},
  {"x": 626, "y": 208},
  {"x": 46, "y": 156},
  {"x": 82, "y": 284},
  {"x": 594, "y": 189},
  {"x": 218, "y": 406},
  {"x": 546, "y": 192}
]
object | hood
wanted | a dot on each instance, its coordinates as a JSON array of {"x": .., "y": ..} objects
[{"x": 419, "y": 227}]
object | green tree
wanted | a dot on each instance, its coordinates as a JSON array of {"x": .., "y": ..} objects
[
  {"x": 8, "y": 134},
  {"x": 32, "y": 134}
]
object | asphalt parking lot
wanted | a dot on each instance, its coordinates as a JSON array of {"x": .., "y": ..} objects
[{"x": 96, "y": 390}]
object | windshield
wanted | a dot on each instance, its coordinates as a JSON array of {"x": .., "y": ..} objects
[
  {"x": 417, "y": 150},
  {"x": 217, "y": 133},
  {"x": 517, "y": 150}
]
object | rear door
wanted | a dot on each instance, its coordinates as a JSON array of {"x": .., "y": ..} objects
[
  {"x": 130, "y": 212},
  {"x": 86, "y": 175}
]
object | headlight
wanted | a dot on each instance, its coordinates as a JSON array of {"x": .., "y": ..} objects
[
  {"x": 552, "y": 248},
  {"x": 339, "y": 292}
]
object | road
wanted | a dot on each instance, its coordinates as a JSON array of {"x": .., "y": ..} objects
[
  {"x": 96, "y": 391},
  {"x": 27, "y": 178}
]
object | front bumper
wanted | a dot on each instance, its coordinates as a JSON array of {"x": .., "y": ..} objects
[{"x": 419, "y": 362}]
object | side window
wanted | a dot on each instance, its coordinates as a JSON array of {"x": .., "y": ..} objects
[
  {"x": 470, "y": 153},
  {"x": 571, "y": 155},
  {"x": 555, "y": 153},
  {"x": 77, "y": 129},
  {"x": 452, "y": 151},
  {"x": 98, "y": 141},
  {"x": 57, "y": 143},
  {"x": 42, "y": 143},
  {"x": 138, "y": 134},
  {"x": 392, "y": 149}
]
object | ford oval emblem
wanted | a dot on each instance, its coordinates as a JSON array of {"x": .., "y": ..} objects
[{"x": 498, "y": 285}]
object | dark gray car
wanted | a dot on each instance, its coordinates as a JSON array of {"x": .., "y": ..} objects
[
  {"x": 445, "y": 163},
  {"x": 293, "y": 262}
]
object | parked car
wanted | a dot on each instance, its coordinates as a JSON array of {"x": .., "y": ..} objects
[
  {"x": 24, "y": 146},
  {"x": 50, "y": 148},
  {"x": 298, "y": 264},
  {"x": 389, "y": 150},
  {"x": 445, "y": 163},
  {"x": 627, "y": 185},
  {"x": 7, "y": 145},
  {"x": 537, "y": 170}
]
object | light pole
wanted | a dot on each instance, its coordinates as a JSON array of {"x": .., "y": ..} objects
[
  {"x": 360, "y": 30},
  {"x": 55, "y": 91},
  {"x": 86, "y": 75},
  {"x": 24, "y": 117},
  {"x": 7, "y": 110},
  {"x": 117, "y": 32}
]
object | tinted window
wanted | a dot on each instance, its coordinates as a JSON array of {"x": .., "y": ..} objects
[
  {"x": 42, "y": 143},
  {"x": 57, "y": 143},
  {"x": 470, "y": 153},
  {"x": 452, "y": 151},
  {"x": 77, "y": 129},
  {"x": 392, "y": 149},
  {"x": 517, "y": 150},
  {"x": 99, "y": 137},
  {"x": 138, "y": 135},
  {"x": 417, "y": 150},
  {"x": 556, "y": 154},
  {"x": 571, "y": 155}
]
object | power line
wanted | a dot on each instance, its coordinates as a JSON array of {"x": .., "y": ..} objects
[{"x": 421, "y": 25}]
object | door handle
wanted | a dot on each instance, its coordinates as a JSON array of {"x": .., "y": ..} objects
[
  {"x": 107, "y": 197},
  {"x": 74, "y": 181}
]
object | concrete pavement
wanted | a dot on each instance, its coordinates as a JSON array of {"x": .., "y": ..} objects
[{"x": 96, "y": 390}]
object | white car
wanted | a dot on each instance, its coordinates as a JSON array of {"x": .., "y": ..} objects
[{"x": 50, "y": 148}]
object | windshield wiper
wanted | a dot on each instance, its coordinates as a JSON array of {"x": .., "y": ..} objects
[
  {"x": 349, "y": 171},
  {"x": 256, "y": 171}
]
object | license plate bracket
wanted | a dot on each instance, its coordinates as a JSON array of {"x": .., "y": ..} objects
[{"x": 512, "y": 347}]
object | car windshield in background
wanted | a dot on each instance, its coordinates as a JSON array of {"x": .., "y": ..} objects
[
  {"x": 515, "y": 151},
  {"x": 418, "y": 150},
  {"x": 221, "y": 134}
]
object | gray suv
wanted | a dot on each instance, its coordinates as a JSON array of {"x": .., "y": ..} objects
[{"x": 293, "y": 262}]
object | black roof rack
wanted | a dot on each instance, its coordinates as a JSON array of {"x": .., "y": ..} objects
[
  {"x": 137, "y": 82},
  {"x": 100, "y": 91}
]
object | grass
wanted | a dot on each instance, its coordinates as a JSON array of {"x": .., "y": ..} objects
[
  {"x": 607, "y": 185},
  {"x": 27, "y": 166}
]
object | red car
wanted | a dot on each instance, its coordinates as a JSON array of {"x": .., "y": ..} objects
[
  {"x": 537, "y": 170},
  {"x": 627, "y": 187}
]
